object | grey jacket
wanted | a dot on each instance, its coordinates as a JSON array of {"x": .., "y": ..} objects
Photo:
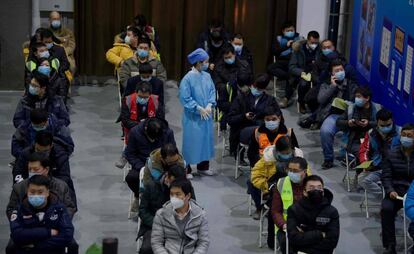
[
  {"x": 167, "y": 239},
  {"x": 130, "y": 68},
  {"x": 57, "y": 186}
]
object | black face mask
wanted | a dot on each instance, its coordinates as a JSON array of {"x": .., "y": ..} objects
[{"x": 315, "y": 196}]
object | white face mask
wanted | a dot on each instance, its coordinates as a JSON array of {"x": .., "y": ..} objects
[{"x": 176, "y": 203}]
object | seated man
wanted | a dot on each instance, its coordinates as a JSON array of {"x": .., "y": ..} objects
[
  {"x": 339, "y": 86},
  {"x": 54, "y": 150},
  {"x": 56, "y": 51},
  {"x": 397, "y": 175},
  {"x": 247, "y": 110},
  {"x": 270, "y": 168},
  {"x": 130, "y": 67},
  {"x": 375, "y": 147},
  {"x": 229, "y": 73},
  {"x": 39, "y": 121},
  {"x": 58, "y": 85},
  {"x": 301, "y": 66},
  {"x": 267, "y": 134},
  {"x": 282, "y": 51},
  {"x": 242, "y": 52},
  {"x": 145, "y": 74},
  {"x": 355, "y": 122},
  {"x": 312, "y": 222},
  {"x": 155, "y": 194},
  {"x": 288, "y": 191},
  {"x": 42, "y": 223},
  {"x": 181, "y": 225},
  {"x": 38, "y": 97},
  {"x": 144, "y": 138}
]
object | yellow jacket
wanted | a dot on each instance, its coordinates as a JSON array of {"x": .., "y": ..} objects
[
  {"x": 266, "y": 168},
  {"x": 118, "y": 53}
]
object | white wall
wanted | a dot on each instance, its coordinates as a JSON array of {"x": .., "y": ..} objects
[{"x": 313, "y": 15}]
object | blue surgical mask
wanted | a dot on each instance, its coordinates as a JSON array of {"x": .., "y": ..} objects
[
  {"x": 359, "y": 102},
  {"x": 230, "y": 60},
  {"x": 155, "y": 174},
  {"x": 272, "y": 125},
  {"x": 33, "y": 90},
  {"x": 44, "y": 70},
  {"x": 289, "y": 34},
  {"x": 326, "y": 51},
  {"x": 340, "y": 75},
  {"x": 204, "y": 66},
  {"x": 146, "y": 79},
  {"x": 44, "y": 54},
  {"x": 55, "y": 24},
  {"x": 385, "y": 129},
  {"x": 295, "y": 177},
  {"x": 283, "y": 157},
  {"x": 142, "y": 53},
  {"x": 36, "y": 200},
  {"x": 407, "y": 142},
  {"x": 238, "y": 48},
  {"x": 255, "y": 91},
  {"x": 49, "y": 45},
  {"x": 142, "y": 101}
]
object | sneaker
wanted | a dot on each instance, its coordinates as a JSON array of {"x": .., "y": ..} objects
[
  {"x": 283, "y": 103},
  {"x": 256, "y": 215},
  {"x": 121, "y": 162},
  {"x": 190, "y": 176},
  {"x": 135, "y": 206},
  {"x": 327, "y": 165},
  {"x": 314, "y": 127},
  {"x": 302, "y": 109},
  {"x": 208, "y": 172}
]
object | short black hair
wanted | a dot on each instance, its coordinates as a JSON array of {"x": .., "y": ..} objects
[
  {"x": 269, "y": 110},
  {"x": 183, "y": 184},
  {"x": 36, "y": 45},
  {"x": 145, "y": 68},
  {"x": 144, "y": 87},
  {"x": 41, "y": 60},
  {"x": 38, "y": 116},
  {"x": 177, "y": 171},
  {"x": 39, "y": 180},
  {"x": 41, "y": 78},
  {"x": 134, "y": 31},
  {"x": 408, "y": 127},
  {"x": 215, "y": 23},
  {"x": 40, "y": 157},
  {"x": 44, "y": 138},
  {"x": 262, "y": 80},
  {"x": 287, "y": 24},
  {"x": 283, "y": 144},
  {"x": 144, "y": 40},
  {"x": 313, "y": 34},
  {"x": 326, "y": 40},
  {"x": 237, "y": 36},
  {"x": 312, "y": 178},
  {"x": 168, "y": 149},
  {"x": 383, "y": 115},
  {"x": 154, "y": 128},
  {"x": 303, "y": 164},
  {"x": 46, "y": 33},
  {"x": 227, "y": 48},
  {"x": 365, "y": 91},
  {"x": 335, "y": 62},
  {"x": 140, "y": 20}
]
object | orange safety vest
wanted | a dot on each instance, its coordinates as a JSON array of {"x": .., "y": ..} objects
[
  {"x": 264, "y": 141},
  {"x": 131, "y": 102}
]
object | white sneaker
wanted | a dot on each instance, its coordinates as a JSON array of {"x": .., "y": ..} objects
[
  {"x": 190, "y": 176},
  {"x": 208, "y": 172}
]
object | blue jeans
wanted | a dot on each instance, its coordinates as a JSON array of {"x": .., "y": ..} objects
[{"x": 328, "y": 131}]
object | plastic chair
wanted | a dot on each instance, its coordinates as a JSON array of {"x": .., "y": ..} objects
[
  {"x": 366, "y": 206},
  {"x": 141, "y": 181},
  {"x": 240, "y": 148},
  {"x": 263, "y": 213},
  {"x": 348, "y": 163}
]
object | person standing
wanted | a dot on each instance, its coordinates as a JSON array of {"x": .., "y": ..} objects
[{"x": 198, "y": 97}]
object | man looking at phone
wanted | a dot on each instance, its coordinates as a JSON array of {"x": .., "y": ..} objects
[{"x": 397, "y": 174}]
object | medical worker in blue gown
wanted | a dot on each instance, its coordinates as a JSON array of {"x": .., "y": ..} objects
[{"x": 198, "y": 96}]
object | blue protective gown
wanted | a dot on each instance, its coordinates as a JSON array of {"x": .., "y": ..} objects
[{"x": 197, "y": 89}]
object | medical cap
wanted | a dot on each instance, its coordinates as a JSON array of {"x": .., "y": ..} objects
[{"x": 197, "y": 55}]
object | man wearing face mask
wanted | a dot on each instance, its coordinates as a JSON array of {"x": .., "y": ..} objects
[
  {"x": 181, "y": 225},
  {"x": 198, "y": 97},
  {"x": 267, "y": 134},
  {"x": 375, "y": 147},
  {"x": 58, "y": 85},
  {"x": 145, "y": 74},
  {"x": 56, "y": 51},
  {"x": 312, "y": 222},
  {"x": 397, "y": 175},
  {"x": 213, "y": 40},
  {"x": 130, "y": 67},
  {"x": 66, "y": 36},
  {"x": 270, "y": 168},
  {"x": 301, "y": 66},
  {"x": 230, "y": 71},
  {"x": 241, "y": 50},
  {"x": 38, "y": 98},
  {"x": 288, "y": 191},
  {"x": 40, "y": 121},
  {"x": 42, "y": 223},
  {"x": 144, "y": 138}
]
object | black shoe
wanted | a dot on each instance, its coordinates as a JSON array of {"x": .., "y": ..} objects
[
  {"x": 390, "y": 250},
  {"x": 327, "y": 165},
  {"x": 314, "y": 127}
]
